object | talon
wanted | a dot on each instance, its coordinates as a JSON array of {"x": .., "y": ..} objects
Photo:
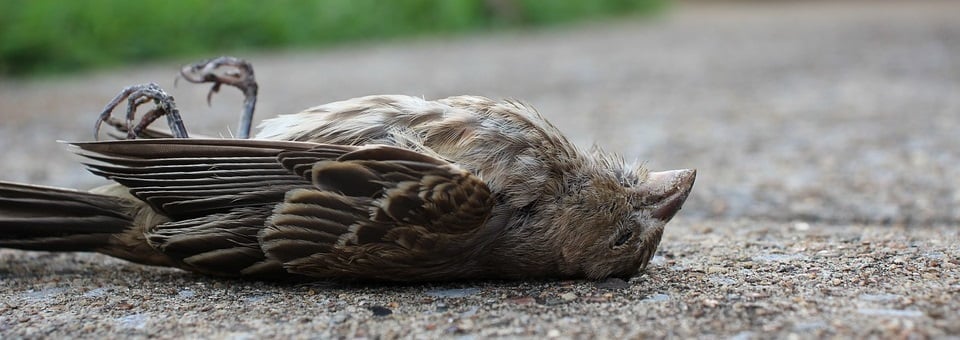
[
  {"x": 213, "y": 89},
  {"x": 137, "y": 95},
  {"x": 239, "y": 75}
]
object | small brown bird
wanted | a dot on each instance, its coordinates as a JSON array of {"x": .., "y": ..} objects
[{"x": 382, "y": 187}]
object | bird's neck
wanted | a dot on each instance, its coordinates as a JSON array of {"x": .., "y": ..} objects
[{"x": 518, "y": 248}]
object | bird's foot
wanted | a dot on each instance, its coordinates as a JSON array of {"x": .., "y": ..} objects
[
  {"x": 135, "y": 96},
  {"x": 232, "y": 71}
]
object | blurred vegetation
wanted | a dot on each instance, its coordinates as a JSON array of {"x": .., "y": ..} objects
[{"x": 49, "y": 36}]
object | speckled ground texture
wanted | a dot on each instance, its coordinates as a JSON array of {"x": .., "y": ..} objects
[{"x": 825, "y": 133}]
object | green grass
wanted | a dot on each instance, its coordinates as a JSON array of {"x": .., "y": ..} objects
[{"x": 55, "y": 36}]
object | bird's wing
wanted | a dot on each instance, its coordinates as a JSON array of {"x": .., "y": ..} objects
[
  {"x": 188, "y": 178},
  {"x": 378, "y": 212},
  {"x": 217, "y": 193},
  {"x": 247, "y": 206}
]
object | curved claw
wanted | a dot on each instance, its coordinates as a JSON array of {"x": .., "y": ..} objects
[
  {"x": 239, "y": 75},
  {"x": 137, "y": 95},
  {"x": 213, "y": 89}
]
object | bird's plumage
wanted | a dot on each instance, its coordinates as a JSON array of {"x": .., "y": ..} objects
[{"x": 379, "y": 187}]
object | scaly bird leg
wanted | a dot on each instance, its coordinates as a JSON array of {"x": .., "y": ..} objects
[
  {"x": 137, "y": 95},
  {"x": 232, "y": 71}
]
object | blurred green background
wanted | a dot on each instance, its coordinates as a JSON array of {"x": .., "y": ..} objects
[{"x": 56, "y": 36}]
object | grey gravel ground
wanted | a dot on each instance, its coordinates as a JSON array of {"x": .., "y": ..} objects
[{"x": 826, "y": 204}]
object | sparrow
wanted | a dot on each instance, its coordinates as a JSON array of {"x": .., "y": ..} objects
[{"x": 386, "y": 187}]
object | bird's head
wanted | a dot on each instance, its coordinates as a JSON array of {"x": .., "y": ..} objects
[{"x": 610, "y": 220}]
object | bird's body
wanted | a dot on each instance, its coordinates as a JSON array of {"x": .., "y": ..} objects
[{"x": 381, "y": 187}]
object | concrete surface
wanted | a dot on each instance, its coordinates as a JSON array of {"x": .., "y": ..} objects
[{"x": 825, "y": 135}]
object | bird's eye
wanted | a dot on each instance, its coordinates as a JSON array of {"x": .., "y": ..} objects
[{"x": 623, "y": 238}]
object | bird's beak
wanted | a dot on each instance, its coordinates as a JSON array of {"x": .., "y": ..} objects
[{"x": 667, "y": 190}]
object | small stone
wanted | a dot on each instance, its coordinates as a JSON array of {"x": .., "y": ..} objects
[
  {"x": 552, "y": 302},
  {"x": 340, "y": 317},
  {"x": 466, "y": 324},
  {"x": 380, "y": 310},
  {"x": 553, "y": 333},
  {"x": 656, "y": 298},
  {"x": 569, "y": 296},
  {"x": 612, "y": 283},
  {"x": 525, "y": 300},
  {"x": 452, "y": 293}
]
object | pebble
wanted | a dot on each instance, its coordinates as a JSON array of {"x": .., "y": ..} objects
[
  {"x": 380, "y": 310},
  {"x": 452, "y": 293},
  {"x": 612, "y": 283}
]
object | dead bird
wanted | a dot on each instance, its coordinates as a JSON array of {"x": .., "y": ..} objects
[{"x": 391, "y": 187}]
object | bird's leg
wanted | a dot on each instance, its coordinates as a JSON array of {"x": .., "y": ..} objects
[
  {"x": 137, "y": 95},
  {"x": 152, "y": 115},
  {"x": 232, "y": 71}
]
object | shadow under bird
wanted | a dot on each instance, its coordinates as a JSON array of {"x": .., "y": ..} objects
[{"x": 382, "y": 187}]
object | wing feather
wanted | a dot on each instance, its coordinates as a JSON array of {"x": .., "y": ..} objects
[
  {"x": 261, "y": 207},
  {"x": 396, "y": 214}
]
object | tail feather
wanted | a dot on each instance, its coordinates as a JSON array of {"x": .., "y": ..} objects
[{"x": 45, "y": 218}]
